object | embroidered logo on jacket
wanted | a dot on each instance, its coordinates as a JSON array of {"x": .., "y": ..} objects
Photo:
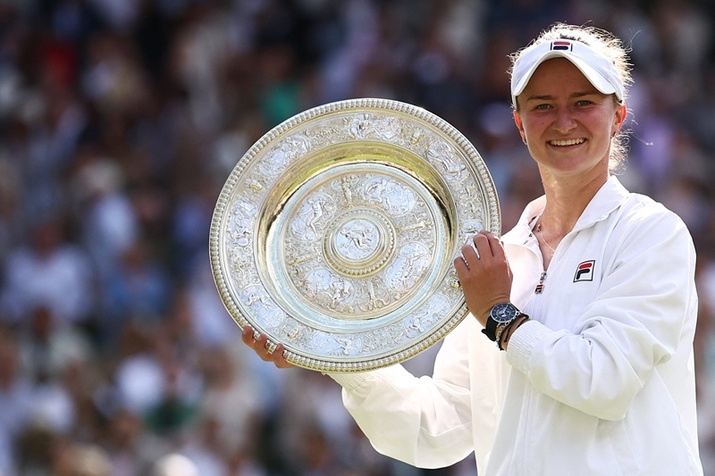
[{"x": 584, "y": 271}]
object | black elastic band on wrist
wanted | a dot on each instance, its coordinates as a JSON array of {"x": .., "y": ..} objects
[{"x": 509, "y": 330}]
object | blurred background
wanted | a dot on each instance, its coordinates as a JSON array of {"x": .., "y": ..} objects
[{"x": 120, "y": 120}]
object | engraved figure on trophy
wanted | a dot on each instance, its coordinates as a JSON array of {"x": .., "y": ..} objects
[
  {"x": 470, "y": 206},
  {"x": 332, "y": 344},
  {"x": 358, "y": 239},
  {"x": 388, "y": 128},
  {"x": 360, "y": 126},
  {"x": 421, "y": 321},
  {"x": 470, "y": 228},
  {"x": 293, "y": 331},
  {"x": 395, "y": 198},
  {"x": 241, "y": 228},
  {"x": 442, "y": 154},
  {"x": 347, "y": 346},
  {"x": 262, "y": 306},
  {"x": 317, "y": 209},
  {"x": 419, "y": 227},
  {"x": 289, "y": 149},
  {"x": 377, "y": 298},
  {"x": 409, "y": 266},
  {"x": 347, "y": 182},
  {"x": 340, "y": 291},
  {"x": 415, "y": 324},
  {"x": 324, "y": 288}
]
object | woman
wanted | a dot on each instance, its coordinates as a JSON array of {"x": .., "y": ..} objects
[{"x": 590, "y": 301}]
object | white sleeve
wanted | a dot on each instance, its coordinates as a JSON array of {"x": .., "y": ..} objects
[{"x": 425, "y": 422}]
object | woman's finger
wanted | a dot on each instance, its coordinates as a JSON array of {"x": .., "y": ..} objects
[{"x": 259, "y": 343}]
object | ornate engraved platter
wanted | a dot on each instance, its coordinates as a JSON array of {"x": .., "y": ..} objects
[{"x": 335, "y": 233}]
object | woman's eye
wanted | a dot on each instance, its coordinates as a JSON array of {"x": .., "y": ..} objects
[{"x": 542, "y": 106}]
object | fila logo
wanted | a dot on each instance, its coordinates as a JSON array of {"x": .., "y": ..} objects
[
  {"x": 561, "y": 45},
  {"x": 584, "y": 271}
]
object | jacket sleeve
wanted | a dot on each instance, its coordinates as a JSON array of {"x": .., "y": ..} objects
[
  {"x": 644, "y": 313},
  {"x": 426, "y": 421}
]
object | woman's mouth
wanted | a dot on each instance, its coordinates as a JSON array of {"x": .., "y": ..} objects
[{"x": 567, "y": 142}]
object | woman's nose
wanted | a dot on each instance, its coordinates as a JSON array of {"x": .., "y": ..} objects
[{"x": 564, "y": 121}]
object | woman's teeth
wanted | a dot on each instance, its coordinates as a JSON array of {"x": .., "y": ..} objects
[{"x": 564, "y": 143}]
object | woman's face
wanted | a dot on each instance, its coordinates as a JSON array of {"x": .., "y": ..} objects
[{"x": 566, "y": 122}]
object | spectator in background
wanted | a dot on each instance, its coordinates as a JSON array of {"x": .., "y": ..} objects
[
  {"x": 15, "y": 397},
  {"x": 49, "y": 272},
  {"x": 106, "y": 214},
  {"x": 136, "y": 289},
  {"x": 48, "y": 348}
]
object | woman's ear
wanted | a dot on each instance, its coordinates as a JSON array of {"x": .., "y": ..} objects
[
  {"x": 620, "y": 118},
  {"x": 519, "y": 126}
]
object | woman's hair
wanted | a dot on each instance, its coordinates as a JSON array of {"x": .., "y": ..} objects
[{"x": 608, "y": 45}]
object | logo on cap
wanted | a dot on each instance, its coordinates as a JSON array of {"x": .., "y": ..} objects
[{"x": 561, "y": 45}]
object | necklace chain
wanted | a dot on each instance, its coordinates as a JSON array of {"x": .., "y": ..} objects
[
  {"x": 538, "y": 230},
  {"x": 540, "y": 286}
]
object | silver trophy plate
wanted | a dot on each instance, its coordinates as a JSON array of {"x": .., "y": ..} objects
[{"x": 335, "y": 233}]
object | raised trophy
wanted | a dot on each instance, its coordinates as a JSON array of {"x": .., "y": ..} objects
[{"x": 335, "y": 233}]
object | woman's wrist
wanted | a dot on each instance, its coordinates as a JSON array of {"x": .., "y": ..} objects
[{"x": 509, "y": 330}]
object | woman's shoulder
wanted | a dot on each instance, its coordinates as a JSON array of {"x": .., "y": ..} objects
[
  {"x": 643, "y": 208},
  {"x": 642, "y": 217}
]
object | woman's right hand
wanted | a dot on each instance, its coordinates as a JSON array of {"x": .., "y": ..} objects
[{"x": 259, "y": 343}]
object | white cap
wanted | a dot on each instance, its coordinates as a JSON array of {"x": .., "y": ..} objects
[{"x": 598, "y": 69}]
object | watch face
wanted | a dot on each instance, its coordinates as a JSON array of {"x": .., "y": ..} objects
[{"x": 503, "y": 312}]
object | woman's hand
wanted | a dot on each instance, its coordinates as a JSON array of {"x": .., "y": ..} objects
[
  {"x": 484, "y": 274},
  {"x": 259, "y": 343}
]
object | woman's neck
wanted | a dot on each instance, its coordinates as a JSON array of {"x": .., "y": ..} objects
[{"x": 565, "y": 202}]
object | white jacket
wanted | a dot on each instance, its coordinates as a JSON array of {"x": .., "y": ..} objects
[{"x": 600, "y": 381}]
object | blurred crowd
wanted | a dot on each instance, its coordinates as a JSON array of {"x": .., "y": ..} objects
[{"x": 120, "y": 120}]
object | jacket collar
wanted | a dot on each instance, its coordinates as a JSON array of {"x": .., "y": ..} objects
[{"x": 608, "y": 198}]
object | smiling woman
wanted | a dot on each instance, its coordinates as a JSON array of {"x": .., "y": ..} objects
[{"x": 588, "y": 358}]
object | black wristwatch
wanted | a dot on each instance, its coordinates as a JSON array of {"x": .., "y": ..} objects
[{"x": 500, "y": 317}]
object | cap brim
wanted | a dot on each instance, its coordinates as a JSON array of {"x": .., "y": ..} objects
[{"x": 593, "y": 76}]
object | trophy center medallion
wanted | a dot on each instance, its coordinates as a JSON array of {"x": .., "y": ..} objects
[{"x": 359, "y": 242}]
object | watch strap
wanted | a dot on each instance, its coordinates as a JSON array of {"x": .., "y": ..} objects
[{"x": 490, "y": 329}]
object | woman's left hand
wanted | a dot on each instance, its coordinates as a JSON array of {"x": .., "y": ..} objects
[
  {"x": 259, "y": 344},
  {"x": 484, "y": 274}
]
